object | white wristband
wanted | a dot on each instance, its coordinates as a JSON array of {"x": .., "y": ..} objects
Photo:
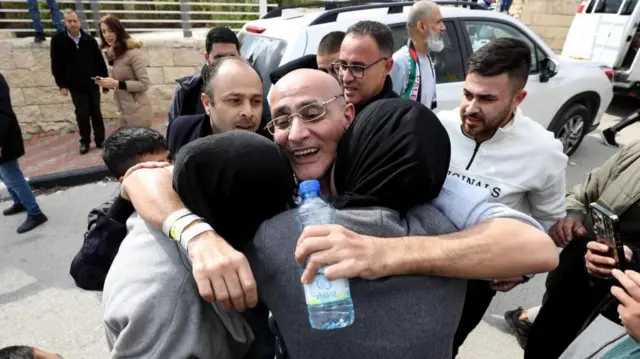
[
  {"x": 192, "y": 232},
  {"x": 178, "y": 227},
  {"x": 172, "y": 218}
]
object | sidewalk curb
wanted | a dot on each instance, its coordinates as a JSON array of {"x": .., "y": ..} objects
[{"x": 63, "y": 179}]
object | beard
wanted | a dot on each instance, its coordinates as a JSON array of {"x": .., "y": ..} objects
[
  {"x": 485, "y": 126},
  {"x": 435, "y": 42}
]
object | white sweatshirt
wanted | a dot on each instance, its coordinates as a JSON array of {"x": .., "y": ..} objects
[{"x": 522, "y": 165}]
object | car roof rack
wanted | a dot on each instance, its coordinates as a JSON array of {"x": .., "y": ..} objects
[
  {"x": 276, "y": 11},
  {"x": 333, "y": 8},
  {"x": 393, "y": 8}
]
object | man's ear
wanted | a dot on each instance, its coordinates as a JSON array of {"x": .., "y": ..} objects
[
  {"x": 388, "y": 66},
  {"x": 205, "y": 102},
  {"x": 349, "y": 114},
  {"x": 206, "y": 57},
  {"x": 121, "y": 179},
  {"x": 521, "y": 96}
]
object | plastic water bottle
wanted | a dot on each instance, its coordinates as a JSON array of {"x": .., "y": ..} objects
[{"x": 328, "y": 302}]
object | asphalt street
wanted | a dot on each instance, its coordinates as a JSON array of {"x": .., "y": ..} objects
[{"x": 40, "y": 305}]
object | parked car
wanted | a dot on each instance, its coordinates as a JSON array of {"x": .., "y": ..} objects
[
  {"x": 566, "y": 96},
  {"x": 607, "y": 32}
]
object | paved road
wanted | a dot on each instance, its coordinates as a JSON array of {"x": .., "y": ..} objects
[{"x": 40, "y": 306}]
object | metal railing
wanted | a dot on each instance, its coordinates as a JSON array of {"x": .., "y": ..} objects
[{"x": 138, "y": 16}]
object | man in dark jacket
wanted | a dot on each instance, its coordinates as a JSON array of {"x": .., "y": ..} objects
[
  {"x": 232, "y": 93},
  {"x": 75, "y": 62},
  {"x": 364, "y": 64},
  {"x": 220, "y": 42},
  {"x": 12, "y": 148}
]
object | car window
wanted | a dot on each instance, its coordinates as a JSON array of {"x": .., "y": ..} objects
[
  {"x": 481, "y": 32},
  {"x": 612, "y": 7},
  {"x": 264, "y": 53},
  {"x": 448, "y": 63}
]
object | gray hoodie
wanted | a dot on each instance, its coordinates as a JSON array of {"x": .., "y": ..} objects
[
  {"x": 396, "y": 317},
  {"x": 152, "y": 308}
]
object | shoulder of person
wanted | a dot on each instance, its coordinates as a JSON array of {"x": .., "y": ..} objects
[
  {"x": 181, "y": 129},
  {"x": 542, "y": 139},
  {"x": 401, "y": 56},
  {"x": 450, "y": 118}
]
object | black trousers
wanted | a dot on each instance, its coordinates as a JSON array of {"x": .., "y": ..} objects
[
  {"x": 88, "y": 114},
  {"x": 627, "y": 121},
  {"x": 571, "y": 298},
  {"x": 476, "y": 302}
]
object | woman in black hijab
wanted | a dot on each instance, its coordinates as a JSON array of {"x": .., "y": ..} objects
[
  {"x": 234, "y": 180},
  {"x": 395, "y": 154}
]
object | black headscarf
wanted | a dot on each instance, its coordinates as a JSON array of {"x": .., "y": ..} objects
[
  {"x": 235, "y": 181},
  {"x": 395, "y": 154}
]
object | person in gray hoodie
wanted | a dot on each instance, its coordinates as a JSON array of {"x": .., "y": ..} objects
[
  {"x": 152, "y": 308},
  {"x": 392, "y": 160}
]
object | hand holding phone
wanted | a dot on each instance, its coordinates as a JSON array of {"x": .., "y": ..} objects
[{"x": 606, "y": 226}]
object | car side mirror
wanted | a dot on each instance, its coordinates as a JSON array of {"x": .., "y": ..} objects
[{"x": 549, "y": 68}]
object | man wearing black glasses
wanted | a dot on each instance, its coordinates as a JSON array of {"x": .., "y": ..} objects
[{"x": 365, "y": 62}]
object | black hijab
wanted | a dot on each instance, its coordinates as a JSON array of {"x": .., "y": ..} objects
[
  {"x": 235, "y": 181},
  {"x": 395, "y": 154}
]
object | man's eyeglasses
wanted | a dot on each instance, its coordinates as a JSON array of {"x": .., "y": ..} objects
[
  {"x": 357, "y": 71},
  {"x": 307, "y": 113}
]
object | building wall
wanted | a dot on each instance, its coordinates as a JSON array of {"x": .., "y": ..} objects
[
  {"x": 39, "y": 105},
  {"x": 550, "y": 19}
]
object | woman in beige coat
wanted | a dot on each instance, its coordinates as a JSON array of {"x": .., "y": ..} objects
[{"x": 129, "y": 78}]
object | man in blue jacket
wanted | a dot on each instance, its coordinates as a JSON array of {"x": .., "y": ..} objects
[{"x": 12, "y": 148}]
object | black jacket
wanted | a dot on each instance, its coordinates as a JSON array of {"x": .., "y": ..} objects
[
  {"x": 11, "y": 145},
  {"x": 73, "y": 66},
  {"x": 186, "y": 100},
  {"x": 387, "y": 92},
  {"x": 185, "y": 129},
  {"x": 106, "y": 230}
]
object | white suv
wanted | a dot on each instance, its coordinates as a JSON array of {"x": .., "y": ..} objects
[{"x": 566, "y": 96}]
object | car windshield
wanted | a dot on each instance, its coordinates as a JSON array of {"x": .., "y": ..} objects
[{"x": 264, "y": 53}]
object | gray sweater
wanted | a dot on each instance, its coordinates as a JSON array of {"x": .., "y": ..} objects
[
  {"x": 597, "y": 340},
  {"x": 152, "y": 308},
  {"x": 396, "y": 317}
]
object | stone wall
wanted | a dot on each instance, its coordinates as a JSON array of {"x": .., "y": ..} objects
[
  {"x": 550, "y": 19},
  {"x": 41, "y": 108}
]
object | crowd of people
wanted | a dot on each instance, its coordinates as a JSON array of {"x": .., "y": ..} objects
[{"x": 434, "y": 212}]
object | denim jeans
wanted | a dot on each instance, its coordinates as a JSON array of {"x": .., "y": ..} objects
[
  {"x": 505, "y": 5},
  {"x": 56, "y": 16},
  {"x": 18, "y": 187}
]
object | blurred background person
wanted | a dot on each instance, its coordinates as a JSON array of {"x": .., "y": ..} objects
[
  {"x": 129, "y": 78},
  {"x": 75, "y": 60}
]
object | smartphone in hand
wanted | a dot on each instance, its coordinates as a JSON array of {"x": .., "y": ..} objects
[
  {"x": 94, "y": 78},
  {"x": 606, "y": 226}
]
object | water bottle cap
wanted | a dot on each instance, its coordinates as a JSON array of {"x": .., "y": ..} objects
[{"x": 309, "y": 186}]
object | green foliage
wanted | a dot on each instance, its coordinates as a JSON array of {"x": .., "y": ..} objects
[{"x": 216, "y": 15}]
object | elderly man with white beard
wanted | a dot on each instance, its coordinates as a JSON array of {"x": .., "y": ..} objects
[{"x": 413, "y": 74}]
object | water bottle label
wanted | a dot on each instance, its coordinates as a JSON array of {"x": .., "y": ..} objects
[{"x": 323, "y": 291}]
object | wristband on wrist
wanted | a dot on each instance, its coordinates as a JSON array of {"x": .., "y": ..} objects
[
  {"x": 176, "y": 230},
  {"x": 192, "y": 232},
  {"x": 172, "y": 218}
]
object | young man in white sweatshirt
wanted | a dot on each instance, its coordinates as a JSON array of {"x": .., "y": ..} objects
[{"x": 494, "y": 146}]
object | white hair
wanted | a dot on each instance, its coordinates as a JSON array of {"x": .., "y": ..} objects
[{"x": 419, "y": 11}]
